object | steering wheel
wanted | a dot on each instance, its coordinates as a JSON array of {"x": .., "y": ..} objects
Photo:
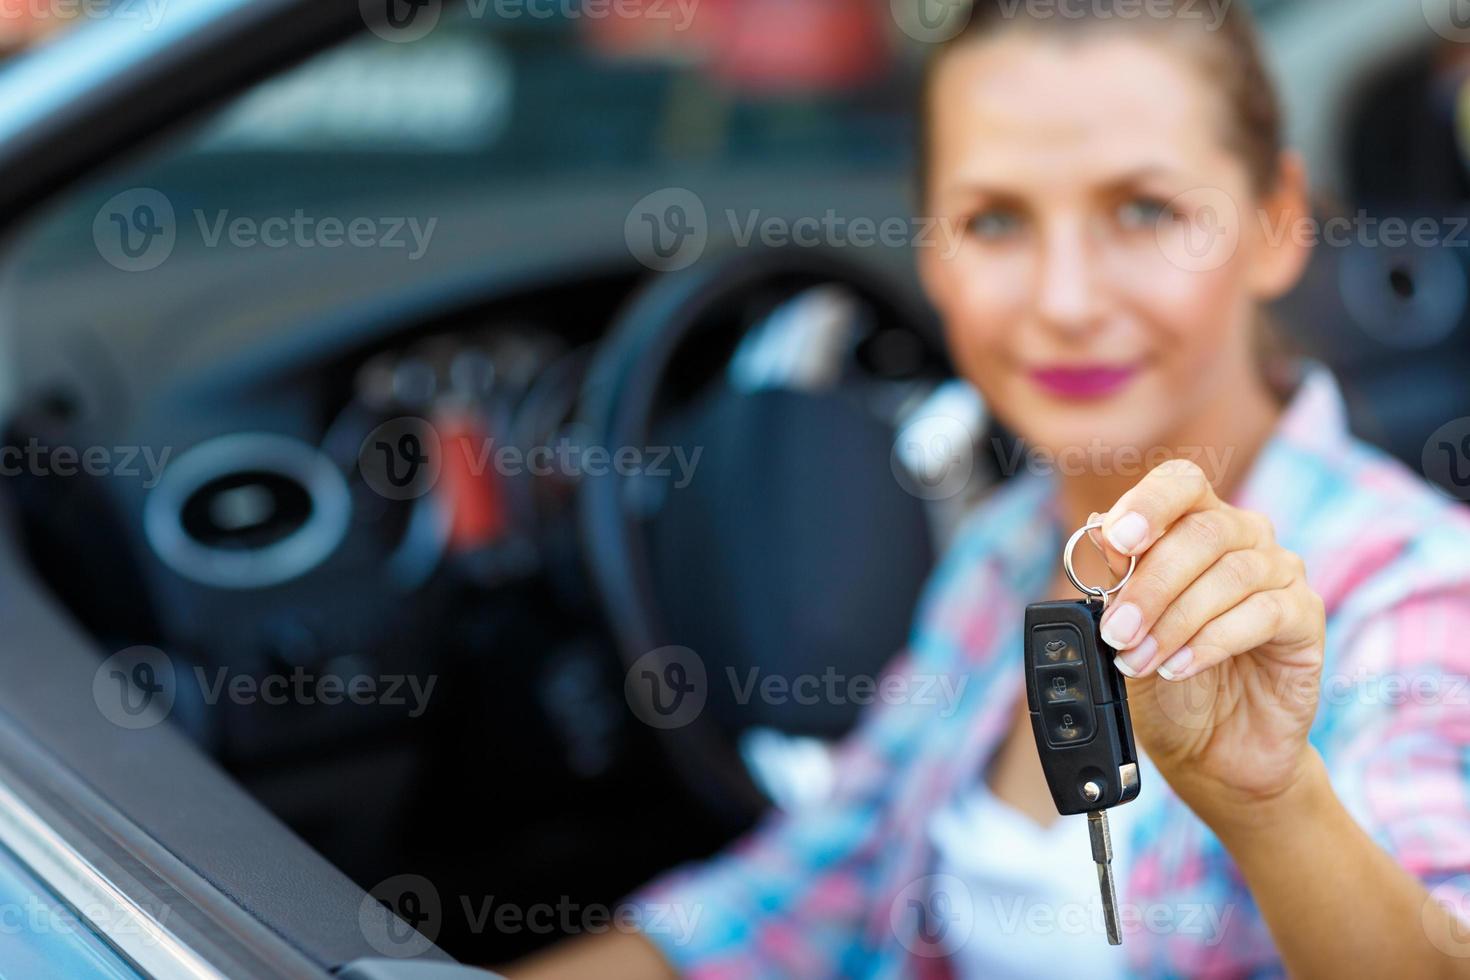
[{"x": 702, "y": 314}]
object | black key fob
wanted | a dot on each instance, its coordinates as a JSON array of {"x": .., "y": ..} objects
[{"x": 1079, "y": 708}]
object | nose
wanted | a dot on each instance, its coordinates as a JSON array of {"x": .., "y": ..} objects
[{"x": 1068, "y": 297}]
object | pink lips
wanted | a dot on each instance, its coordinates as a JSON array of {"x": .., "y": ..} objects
[{"x": 1091, "y": 381}]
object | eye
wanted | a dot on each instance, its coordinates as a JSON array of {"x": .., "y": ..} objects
[
  {"x": 1143, "y": 213},
  {"x": 995, "y": 224}
]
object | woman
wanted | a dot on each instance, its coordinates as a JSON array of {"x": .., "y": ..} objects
[{"x": 1119, "y": 179}]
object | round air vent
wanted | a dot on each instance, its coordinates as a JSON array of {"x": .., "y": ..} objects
[
  {"x": 247, "y": 511},
  {"x": 1408, "y": 297}
]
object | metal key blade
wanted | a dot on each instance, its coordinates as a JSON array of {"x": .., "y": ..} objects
[{"x": 1102, "y": 854}]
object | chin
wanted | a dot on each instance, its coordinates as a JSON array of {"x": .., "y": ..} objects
[{"x": 1089, "y": 434}]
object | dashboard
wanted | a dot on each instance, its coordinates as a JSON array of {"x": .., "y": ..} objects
[{"x": 280, "y": 536}]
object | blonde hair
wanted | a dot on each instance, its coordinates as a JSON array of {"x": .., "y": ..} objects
[{"x": 1226, "y": 51}]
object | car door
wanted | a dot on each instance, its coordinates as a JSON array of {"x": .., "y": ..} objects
[{"x": 124, "y": 850}]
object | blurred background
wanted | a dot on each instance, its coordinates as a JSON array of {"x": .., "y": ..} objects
[{"x": 559, "y": 237}]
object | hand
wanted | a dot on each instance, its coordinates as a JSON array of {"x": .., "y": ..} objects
[{"x": 1221, "y": 638}]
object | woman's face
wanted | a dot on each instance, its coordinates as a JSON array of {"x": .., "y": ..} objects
[{"x": 1112, "y": 257}]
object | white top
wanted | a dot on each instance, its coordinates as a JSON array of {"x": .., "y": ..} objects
[{"x": 1022, "y": 900}]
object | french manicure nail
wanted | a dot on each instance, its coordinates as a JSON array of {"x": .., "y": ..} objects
[
  {"x": 1135, "y": 662},
  {"x": 1128, "y": 532},
  {"x": 1174, "y": 668},
  {"x": 1120, "y": 625}
]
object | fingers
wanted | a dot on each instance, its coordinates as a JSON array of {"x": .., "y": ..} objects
[
  {"x": 1252, "y": 623},
  {"x": 1190, "y": 547},
  {"x": 1211, "y": 581},
  {"x": 1144, "y": 513},
  {"x": 1230, "y": 582},
  {"x": 1289, "y": 621}
]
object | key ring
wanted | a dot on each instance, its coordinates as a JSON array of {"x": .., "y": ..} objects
[{"x": 1093, "y": 590}]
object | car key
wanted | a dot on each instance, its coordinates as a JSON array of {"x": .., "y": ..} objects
[{"x": 1079, "y": 715}]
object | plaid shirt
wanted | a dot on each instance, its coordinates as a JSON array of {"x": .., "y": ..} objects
[{"x": 840, "y": 888}]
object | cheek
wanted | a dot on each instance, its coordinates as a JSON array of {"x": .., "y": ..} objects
[
  {"x": 981, "y": 301},
  {"x": 1195, "y": 316}
]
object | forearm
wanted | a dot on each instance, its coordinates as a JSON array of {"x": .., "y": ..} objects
[
  {"x": 1336, "y": 903},
  {"x": 612, "y": 956}
]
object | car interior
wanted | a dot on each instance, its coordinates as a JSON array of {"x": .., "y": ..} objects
[{"x": 779, "y": 520}]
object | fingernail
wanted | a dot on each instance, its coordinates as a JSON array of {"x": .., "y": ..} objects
[
  {"x": 1128, "y": 532},
  {"x": 1135, "y": 662},
  {"x": 1174, "y": 668},
  {"x": 1120, "y": 625}
]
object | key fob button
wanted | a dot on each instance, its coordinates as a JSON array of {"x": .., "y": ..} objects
[
  {"x": 1063, "y": 685},
  {"x": 1068, "y": 724},
  {"x": 1059, "y": 645}
]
